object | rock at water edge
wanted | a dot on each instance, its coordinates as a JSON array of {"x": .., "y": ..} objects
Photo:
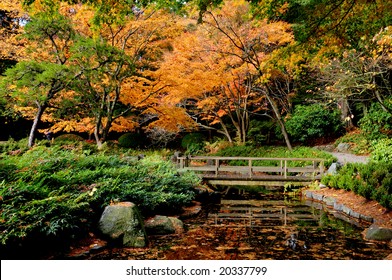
[
  {"x": 162, "y": 225},
  {"x": 122, "y": 223},
  {"x": 317, "y": 196},
  {"x": 329, "y": 201},
  {"x": 309, "y": 194},
  {"x": 375, "y": 232}
]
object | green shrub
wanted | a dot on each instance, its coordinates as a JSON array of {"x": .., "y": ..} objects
[
  {"x": 359, "y": 143},
  {"x": 152, "y": 183},
  {"x": 69, "y": 137},
  {"x": 372, "y": 181},
  {"x": 377, "y": 123},
  {"x": 260, "y": 132},
  {"x": 130, "y": 140},
  {"x": 193, "y": 142},
  {"x": 381, "y": 150},
  {"x": 313, "y": 121},
  {"x": 12, "y": 145},
  {"x": 7, "y": 171}
]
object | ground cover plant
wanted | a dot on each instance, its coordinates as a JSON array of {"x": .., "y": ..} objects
[
  {"x": 372, "y": 181},
  {"x": 358, "y": 140},
  {"x": 57, "y": 193}
]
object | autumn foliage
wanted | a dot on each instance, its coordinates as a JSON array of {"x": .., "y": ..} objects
[{"x": 103, "y": 66}]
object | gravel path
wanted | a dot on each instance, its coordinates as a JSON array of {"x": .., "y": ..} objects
[{"x": 346, "y": 157}]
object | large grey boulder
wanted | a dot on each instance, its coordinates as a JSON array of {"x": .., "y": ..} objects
[
  {"x": 333, "y": 169},
  {"x": 123, "y": 224},
  {"x": 343, "y": 147},
  {"x": 375, "y": 232},
  {"x": 162, "y": 225}
]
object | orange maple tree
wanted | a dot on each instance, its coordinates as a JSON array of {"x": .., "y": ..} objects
[
  {"x": 221, "y": 65},
  {"x": 12, "y": 20},
  {"x": 112, "y": 50}
]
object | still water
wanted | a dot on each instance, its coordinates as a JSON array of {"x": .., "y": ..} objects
[
  {"x": 277, "y": 226},
  {"x": 259, "y": 225}
]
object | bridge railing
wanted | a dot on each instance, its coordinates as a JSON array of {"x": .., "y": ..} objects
[{"x": 251, "y": 166}]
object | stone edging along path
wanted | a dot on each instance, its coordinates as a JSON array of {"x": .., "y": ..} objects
[
  {"x": 374, "y": 232},
  {"x": 333, "y": 203}
]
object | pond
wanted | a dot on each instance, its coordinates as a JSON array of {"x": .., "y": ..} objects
[{"x": 260, "y": 225}]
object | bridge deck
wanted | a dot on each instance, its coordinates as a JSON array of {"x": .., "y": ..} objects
[{"x": 253, "y": 170}]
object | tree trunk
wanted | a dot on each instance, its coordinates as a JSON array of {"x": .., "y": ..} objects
[
  {"x": 285, "y": 135},
  {"x": 97, "y": 132},
  {"x": 106, "y": 129},
  {"x": 345, "y": 112},
  {"x": 380, "y": 101},
  {"x": 34, "y": 127},
  {"x": 226, "y": 133},
  {"x": 280, "y": 122}
]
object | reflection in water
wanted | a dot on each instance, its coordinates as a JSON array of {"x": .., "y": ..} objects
[
  {"x": 275, "y": 226},
  {"x": 264, "y": 213}
]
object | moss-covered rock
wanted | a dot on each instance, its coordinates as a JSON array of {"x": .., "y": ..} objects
[
  {"x": 122, "y": 224},
  {"x": 161, "y": 225},
  {"x": 375, "y": 232}
]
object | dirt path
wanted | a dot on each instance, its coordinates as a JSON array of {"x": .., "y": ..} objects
[{"x": 344, "y": 158}]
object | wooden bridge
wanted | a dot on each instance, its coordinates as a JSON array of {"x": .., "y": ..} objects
[{"x": 254, "y": 170}]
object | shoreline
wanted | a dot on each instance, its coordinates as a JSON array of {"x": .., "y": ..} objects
[{"x": 354, "y": 205}]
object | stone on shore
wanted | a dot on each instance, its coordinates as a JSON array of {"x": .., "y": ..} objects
[
  {"x": 162, "y": 225},
  {"x": 329, "y": 201},
  {"x": 375, "y": 232},
  {"x": 122, "y": 223}
]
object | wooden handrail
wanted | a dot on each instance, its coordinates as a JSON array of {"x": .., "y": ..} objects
[
  {"x": 249, "y": 158},
  {"x": 214, "y": 164}
]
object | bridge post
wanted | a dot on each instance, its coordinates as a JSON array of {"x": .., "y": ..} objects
[
  {"x": 180, "y": 163},
  {"x": 321, "y": 168},
  {"x": 250, "y": 168},
  {"x": 281, "y": 167},
  {"x": 285, "y": 169},
  {"x": 187, "y": 161}
]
